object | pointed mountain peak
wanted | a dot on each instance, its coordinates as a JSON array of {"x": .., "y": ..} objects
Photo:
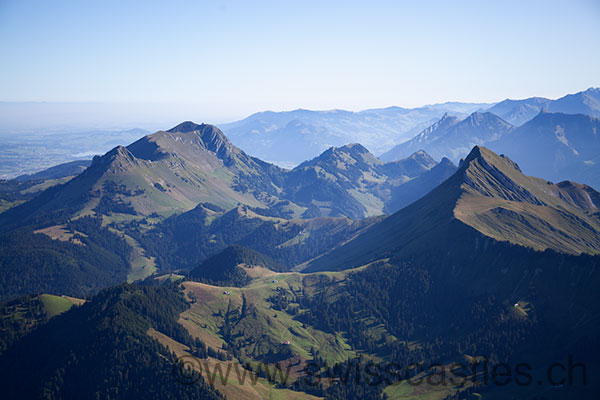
[
  {"x": 185, "y": 140},
  {"x": 187, "y": 126},
  {"x": 119, "y": 152},
  {"x": 446, "y": 161},
  {"x": 486, "y": 118},
  {"x": 349, "y": 154},
  {"x": 474, "y": 154},
  {"x": 422, "y": 157},
  {"x": 447, "y": 118},
  {"x": 490, "y": 160},
  {"x": 211, "y": 136},
  {"x": 442, "y": 124},
  {"x": 117, "y": 159},
  {"x": 480, "y": 116},
  {"x": 353, "y": 148},
  {"x": 487, "y": 174}
]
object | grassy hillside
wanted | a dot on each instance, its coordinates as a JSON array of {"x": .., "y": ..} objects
[
  {"x": 501, "y": 202},
  {"x": 395, "y": 312},
  {"x": 227, "y": 267},
  {"x": 103, "y": 349},
  {"x": 55, "y": 305},
  {"x": 21, "y": 315},
  {"x": 183, "y": 241},
  {"x": 389, "y": 312}
]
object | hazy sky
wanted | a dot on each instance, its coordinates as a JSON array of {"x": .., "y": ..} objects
[{"x": 227, "y": 59}]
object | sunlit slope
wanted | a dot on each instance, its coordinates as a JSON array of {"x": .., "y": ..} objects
[
  {"x": 260, "y": 330},
  {"x": 350, "y": 181},
  {"x": 166, "y": 172},
  {"x": 490, "y": 197},
  {"x": 501, "y": 202}
]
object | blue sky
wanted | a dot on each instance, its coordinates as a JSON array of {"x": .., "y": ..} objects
[{"x": 226, "y": 59}]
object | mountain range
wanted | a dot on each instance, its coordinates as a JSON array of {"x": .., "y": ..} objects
[
  {"x": 180, "y": 196},
  {"x": 554, "y": 146},
  {"x": 491, "y": 265},
  {"x": 111, "y": 222},
  {"x": 517, "y": 112},
  {"x": 240, "y": 260},
  {"x": 291, "y": 137},
  {"x": 173, "y": 171},
  {"x": 288, "y": 138},
  {"x": 454, "y": 138},
  {"x": 487, "y": 198}
]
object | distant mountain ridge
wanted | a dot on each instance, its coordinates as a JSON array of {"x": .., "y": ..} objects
[
  {"x": 518, "y": 112},
  {"x": 556, "y": 146},
  {"x": 453, "y": 138},
  {"x": 291, "y": 137}
]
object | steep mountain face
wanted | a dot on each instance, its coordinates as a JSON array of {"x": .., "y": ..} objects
[
  {"x": 350, "y": 181},
  {"x": 289, "y": 138},
  {"x": 501, "y": 202},
  {"x": 487, "y": 198},
  {"x": 452, "y": 138},
  {"x": 517, "y": 112},
  {"x": 557, "y": 147},
  {"x": 192, "y": 163}
]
